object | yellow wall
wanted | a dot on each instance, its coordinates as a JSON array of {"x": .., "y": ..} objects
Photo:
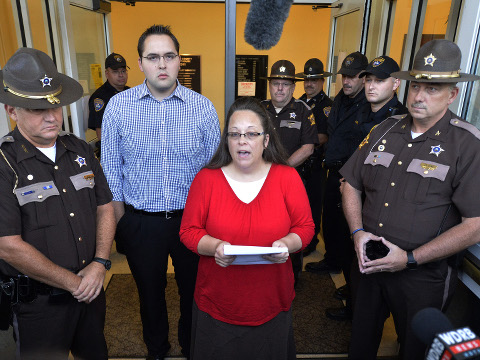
[{"x": 200, "y": 29}]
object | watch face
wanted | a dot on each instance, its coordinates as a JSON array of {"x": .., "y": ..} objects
[{"x": 108, "y": 264}]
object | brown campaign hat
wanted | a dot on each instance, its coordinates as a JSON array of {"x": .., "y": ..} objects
[
  {"x": 30, "y": 80},
  {"x": 115, "y": 61},
  {"x": 282, "y": 69},
  {"x": 353, "y": 64},
  {"x": 313, "y": 69},
  {"x": 437, "y": 61}
]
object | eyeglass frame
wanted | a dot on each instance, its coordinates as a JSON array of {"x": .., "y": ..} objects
[
  {"x": 283, "y": 84},
  {"x": 160, "y": 57},
  {"x": 233, "y": 135}
]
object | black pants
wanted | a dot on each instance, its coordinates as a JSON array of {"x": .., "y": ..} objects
[
  {"x": 336, "y": 234},
  {"x": 50, "y": 327},
  {"x": 147, "y": 242},
  {"x": 315, "y": 185},
  {"x": 402, "y": 293}
]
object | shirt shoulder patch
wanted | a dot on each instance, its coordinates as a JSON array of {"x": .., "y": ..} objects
[
  {"x": 7, "y": 138},
  {"x": 466, "y": 126},
  {"x": 98, "y": 104},
  {"x": 326, "y": 110}
]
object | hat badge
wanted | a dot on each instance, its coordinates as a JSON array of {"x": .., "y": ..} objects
[
  {"x": 46, "y": 81},
  {"x": 378, "y": 61},
  {"x": 310, "y": 69},
  {"x": 349, "y": 61},
  {"x": 430, "y": 60},
  {"x": 118, "y": 58},
  {"x": 282, "y": 68}
]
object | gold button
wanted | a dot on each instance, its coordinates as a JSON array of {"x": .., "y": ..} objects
[
  {"x": 425, "y": 172},
  {"x": 80, "y": 238},
  {"x": 72, "y": 214},
  {"x": 386, "y": 204},
  {"x": 374, "y": 160},
  {"x": 409, "y": 145},
  {"x": 384, "y": 141},
  {"x": 64, "y": 190},
  {"x": 83, "y": 261},
  {"x": 399, "y": 163},
  {"x": 393, "y": 184},
  {"x": 55, "y": 167},
  {"x": 90, "y": 183},
  {"x": 455, "y": 122},
  {"x": 381, "y": 225},
  {"x": 40, "y": 196}
]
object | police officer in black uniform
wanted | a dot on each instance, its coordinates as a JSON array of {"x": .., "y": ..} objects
[
  {"x": 314, "y": 173},
  {"x": 117, "y": 76},
  {"x": 56, "y": 217},
  {"x": 295, "y": 123},
  {"x": 380, "y": 88}
]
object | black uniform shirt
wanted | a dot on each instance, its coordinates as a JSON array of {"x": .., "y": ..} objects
[
  {"x": 295, "y": 124},
  {"x": 409, "y": 184},
  {"x": 321, "y": 106},
  {"x": 53, "y": 206},
  {"x": 98, "y": 102},
  {"x": 341, "y": 135}
]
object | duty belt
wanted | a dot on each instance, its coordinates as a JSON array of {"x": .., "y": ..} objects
[{"x": 23, "y": 289}]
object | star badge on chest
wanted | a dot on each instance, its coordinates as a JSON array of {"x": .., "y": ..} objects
[
  {"x": 293, "y": 115},
  {"x": 436, "y": 150},
  {"x": 80, "y": 161}
]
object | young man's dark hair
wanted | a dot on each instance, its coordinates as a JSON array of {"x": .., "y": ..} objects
[{"x": 156, "y": 30}]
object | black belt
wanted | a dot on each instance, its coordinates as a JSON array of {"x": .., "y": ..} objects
[
  {"x": 165, "y": 214},
  {"x": 23, "y": 289},
  {"x": 335, "y": 165}
]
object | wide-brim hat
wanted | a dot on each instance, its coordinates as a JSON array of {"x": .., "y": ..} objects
[
  {"x": 438, "y": 61},
  {"x": 282, "y": 69},
  {"x": 382, "y": 67},
  {"x": 353, "y": 64},
  {"x": 30, "y": 80},
  {"x": 313, "y": 69}
]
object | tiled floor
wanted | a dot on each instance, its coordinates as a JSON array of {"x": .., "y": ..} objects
[{"x": 388, "y": 346}]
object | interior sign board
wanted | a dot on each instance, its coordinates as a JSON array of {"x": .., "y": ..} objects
[
  {"x": 189, "y": 74},
  {"x": 249, "y": 71}
]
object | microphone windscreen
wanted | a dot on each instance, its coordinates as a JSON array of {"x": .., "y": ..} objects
[
  {"x": 428, "y": 322},
  {"x": 265, "y": 20}
]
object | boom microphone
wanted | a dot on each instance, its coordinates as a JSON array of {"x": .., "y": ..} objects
[
  {"x": 265, "y": 20},
  {"x": 434, "y": 329}
]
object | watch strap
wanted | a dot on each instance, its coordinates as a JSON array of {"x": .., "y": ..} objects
[
  {"x": 104, "y": 262},
  {"x": 411, "y": 262}
]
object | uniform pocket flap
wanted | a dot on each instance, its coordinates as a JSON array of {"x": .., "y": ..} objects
[
  {"x": 291, "y": 124},
  {"x": 36, "y": 192},
  {"x": 83, "y": 180},
  {"x": 379, "y": 158},
  {"x": 428, "y": 169}
]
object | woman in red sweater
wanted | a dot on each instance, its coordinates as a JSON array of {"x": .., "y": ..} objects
[{"x": 247, "y": 195}]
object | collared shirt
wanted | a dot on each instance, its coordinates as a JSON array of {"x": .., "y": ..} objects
[
  {"x": 321, "y": 106},
  {"x": 153, "y": 149},
  {"x": 52, "y": 205},
  {"x": 98, "y": 102},
  {"x": 417, "y": 188},
  {"x": 295, "y": 124}
]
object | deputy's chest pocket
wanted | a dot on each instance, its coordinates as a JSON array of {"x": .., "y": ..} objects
[
  {"x": 377, "y": 162},
  {"x": 83, "y": 180},
  {"x": 290, "y": 124},
  {"x": 32, "y": 198},
  {"x": 425, "y": 178}
]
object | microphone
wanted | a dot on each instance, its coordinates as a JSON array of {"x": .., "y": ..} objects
[
  {"x": 265, "y": 20},
  {"x": 434, "y": 329}
]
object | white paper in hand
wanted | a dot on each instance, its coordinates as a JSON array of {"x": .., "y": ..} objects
[{"x": 251, "y": 255}]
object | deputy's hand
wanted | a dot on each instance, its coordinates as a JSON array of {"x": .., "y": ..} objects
[
  {"x": 220, "y": 257},
  {"x": 280, "y": 257},
  {"x": 360, "y": 238},
  {"x": 396, "y": 260},
  {"x": 92, "y": 282}
]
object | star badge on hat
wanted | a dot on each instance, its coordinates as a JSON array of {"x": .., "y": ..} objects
[
  {"x": 377, "y": 62},
  {"x": 430, "y": 60},
  {"x": 436, "y": 150},
  {"x": 80, "y": 161},
  {"x": 46, "y": 81},
  {"x": 282, "y": 68}
]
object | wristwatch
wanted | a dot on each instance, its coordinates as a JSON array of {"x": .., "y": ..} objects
[
  {"x": 411, "y": 262},
  {"x": 104, "y": 262}
]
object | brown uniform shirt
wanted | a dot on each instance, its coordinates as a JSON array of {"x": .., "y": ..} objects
[
  {"x": 53, "y": 206},
  {"x": 409, "y": 184}
]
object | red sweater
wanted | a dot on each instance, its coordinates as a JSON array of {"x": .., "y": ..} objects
[{"x": 245, "y": 294}]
